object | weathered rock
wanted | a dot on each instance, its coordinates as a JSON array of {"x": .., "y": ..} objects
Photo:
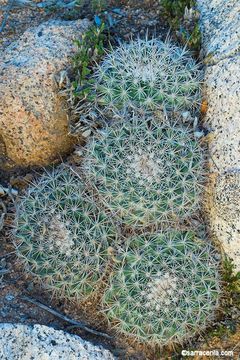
[
  {"x": 227, "y": 196},
  {"x": 33, "y": 117},
  {"x": 39, "y": 342},
  {"x": 222, "y": 90},
  {"x": 220, "y": 25},
  {"x": 220, "y": 21},
  {"x": 224, "y": 213}
]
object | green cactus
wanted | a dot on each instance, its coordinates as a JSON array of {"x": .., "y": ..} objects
[
  {"x": 151, "y": 74},
  {"x": 62, "y": 238},
  {"x": 164, "y": 289},
  {"x": 146, "y": 173}
]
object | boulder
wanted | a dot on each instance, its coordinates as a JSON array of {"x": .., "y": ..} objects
[
  {"x": 220, "y": 26},
  {"x": 224, "y": 212},
  {"x": 220, "y": 22},
  {"x": 33, "y": 117},
  {"x": 222, "y": 91},
  {"x": 41, "y": 342}
]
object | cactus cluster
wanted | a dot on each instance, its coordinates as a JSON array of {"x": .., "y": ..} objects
[
  {"x": 62, "y": 238},
  {"x": 151, "y": 74},
  {"x": 146, "y": 173},
  {"x": 165, "y": 287},
  {"x": 132, "y": 207}
]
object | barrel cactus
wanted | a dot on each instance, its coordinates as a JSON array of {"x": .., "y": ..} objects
[
  {"x": 151, "y": 74},
  {"x": 62, "y": 238},
  {"x": 145, "y": 172},
  {"x": 164, "y": 289}
]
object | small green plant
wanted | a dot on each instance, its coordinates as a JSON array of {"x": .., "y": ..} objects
[
  {"x": 231, "y": 279},
  {"x": 183, "y": 19},
  {"x": 175, "y": 8},
  {"x": 151, "y": 74},
  {"x": 83, "y": 115},
  {"x": 90, "y": 49},
  {"x": 164, "y": 289},
  {"x": 145, "y": 172},
  {"x": 230, "y": 302},
  {"x": 191, "y": 37},
  {"x": 62, "y": 238}
]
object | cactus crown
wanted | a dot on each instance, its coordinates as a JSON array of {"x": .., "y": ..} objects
[
  {"x": 149, "y": 73},
  {"x": 164, "y": 289},
  {"x": 146, "y": 173},
  {"x": 62, "y": 238}
]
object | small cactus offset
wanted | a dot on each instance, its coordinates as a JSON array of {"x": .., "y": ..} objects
[
  {"x": 164, "y": 289},
  {"x": 151, "y": 74},
  {"x": 62, "y": 238},
  {"x": 146, "y": 173}
]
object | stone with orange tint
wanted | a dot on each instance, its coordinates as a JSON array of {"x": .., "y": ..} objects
[{"x": 33, "y": 117}]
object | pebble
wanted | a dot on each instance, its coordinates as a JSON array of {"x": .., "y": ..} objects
[{"x": 9, "y": 297}]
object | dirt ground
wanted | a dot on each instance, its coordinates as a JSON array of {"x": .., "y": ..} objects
[{"x": 132, "y": 18}]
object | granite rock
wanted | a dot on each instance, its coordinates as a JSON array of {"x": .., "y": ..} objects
[
  {"x": 222, "y": 91},
  {"x": 220, "y": 26},
  {"x": 39, "y": 342},
  {"x": 33, "y": 117},
  {"x": 224, "y": 213},
  {"x": 220, "y": 21}
]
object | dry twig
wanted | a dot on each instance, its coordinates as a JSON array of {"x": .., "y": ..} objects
[{"x": 81, "y": 325}]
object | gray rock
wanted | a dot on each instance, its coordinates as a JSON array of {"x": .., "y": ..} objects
[
  {"x": 39, "y": 342},
  {"x": 220, "y": 21},
  {"x": 222, "y": 90},
  {"x": 225, "y": 213},
  {"x": 220, "y": 24},
  {"x": 33, "y": 117}
]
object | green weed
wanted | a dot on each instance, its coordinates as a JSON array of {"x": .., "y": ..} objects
[
  {"x": 187, "y": 30},
  {"x": 192, "y": 37},
  {"x": 232, "y": 283},
  {"x": 175, "y": 8},
  {"x": 90, "y": 50},
  {"x": 230, "y": 303}
]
